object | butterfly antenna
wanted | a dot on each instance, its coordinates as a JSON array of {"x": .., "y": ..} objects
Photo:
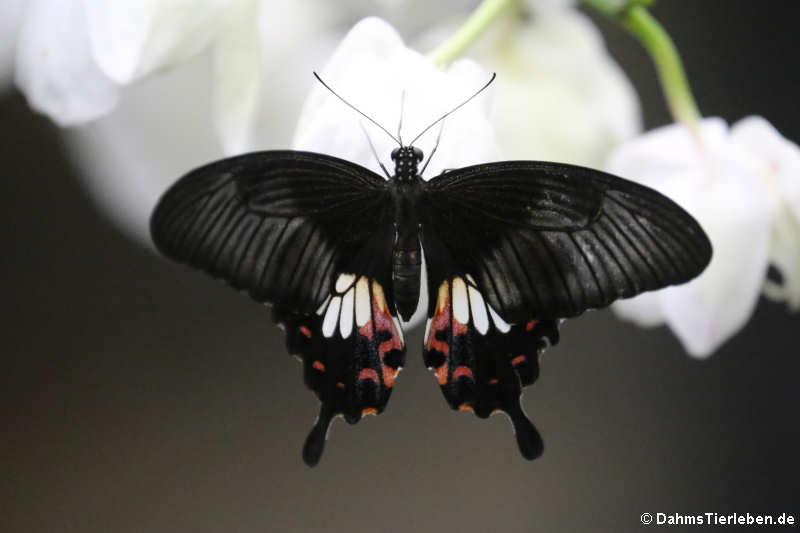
[
  {"x": 494, "y": 75},
  {"x": 356, "y": 109},
  {"x": 374, "y": 152},
  {"x": 435, "y": 146},
  {"x": 400, "y": 124}
]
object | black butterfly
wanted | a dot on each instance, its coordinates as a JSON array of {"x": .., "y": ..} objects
[{"x": 510, "y": 249}]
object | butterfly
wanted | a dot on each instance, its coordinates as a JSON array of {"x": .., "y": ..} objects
[{"x": 504, "y": 251}]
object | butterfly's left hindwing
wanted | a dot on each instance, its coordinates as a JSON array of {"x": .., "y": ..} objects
[
  {"x": 480, "y": 361},
  {"x": 513, "y": 247},
  {"x": 312, "y": 235}
]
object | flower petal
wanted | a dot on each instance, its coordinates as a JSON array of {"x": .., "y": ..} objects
[
  {"x": 129, "y": 157},
  {"x": 237, "y": 79},
  {"x": 714, "y": 183},
  {"x": 560, "y": 95},
  {"x": 54, "y": 66},
  {"x": 777, "y": 161},
  {"x": 644, "y": 310},
  {"x": 371, "y": 68},
  {"x": 11, "y": 12},
  {"x": 785, "y": 256},
  {"x": 131, "y": 38},
  {"x": 776, "y": 158},
  {"x": 735, "y": 212}
]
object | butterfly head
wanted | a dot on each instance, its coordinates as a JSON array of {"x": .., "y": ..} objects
[{"x": 406, "y": 160}]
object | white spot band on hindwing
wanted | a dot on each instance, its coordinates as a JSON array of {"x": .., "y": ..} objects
[
  {"x": 467, "y": 303},
  {"x": 344, "y": 282},
  {"x": 346, "y": 315},
  {"x": 352, "y": 306}
]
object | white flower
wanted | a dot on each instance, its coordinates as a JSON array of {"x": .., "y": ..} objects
[
  {"x": 165, "y": 108},
  {"x": 10, "y": 20},
  {"x": 743, "y": 186},
  {"x": 371, "y": 69},
  {"x": 74, "y": 56},
  {"x": 560, "y": 95}
]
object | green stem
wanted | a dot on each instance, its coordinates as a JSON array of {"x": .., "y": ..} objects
[
  {"x": 662, "y": 50},
  {"x": 468, "y": 33}
]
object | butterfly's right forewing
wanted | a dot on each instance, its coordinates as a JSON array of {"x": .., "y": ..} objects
[{"x": 276, "y": 224}]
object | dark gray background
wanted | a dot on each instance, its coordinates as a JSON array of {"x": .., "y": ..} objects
[{"x": 140, "y": 396}]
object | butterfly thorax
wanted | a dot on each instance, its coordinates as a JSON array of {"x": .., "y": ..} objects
[{"x": 406, "y": 159}]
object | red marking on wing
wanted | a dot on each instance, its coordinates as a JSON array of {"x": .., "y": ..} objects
[
  {"x": 318, "y": 365},
  {"x": 305, "y": 331},
  {"x": 440, "y": 321},
  {"x": 458, "y": 327},
  {"x": 384, "y": 322},
  {"x": 389, "y": 374},
  {"x": 462, "y": 371},
  {"x": 368, "y": 373},
  {"x": 441, "y": 374},
  {"x": 493, "y": 381},
  {"x": 366, "y": 330},
  {"x": 369, "y": 411},
  {"x": 518, "y": 359},
  {"x": 340, "y": 384},
  {"x": 530, "y": 325}
]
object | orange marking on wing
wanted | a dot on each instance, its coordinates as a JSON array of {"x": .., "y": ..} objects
[
  {"x": 441, "y": 374},
  {"x": 366, "y": 330},
  {"x": 436, "y": 344},
  {"x": 493, "y": 381},
  {"x": 305, "y": 331},
  {"x": 458, "y": 328},
  {"x": 465, "y": 407},
  {"x": 383, "y": 322},
  {"x": 440, "y": 320},
  {"x": 389, "y": 374},
  {"x": 369, "y": 411},
  {"x": 530, "y": 325},
  {"x": 462, "y": 371},
  {"x": 368, "y": 373},
  {"x": 378, "y": 297},
  {"x": 518, "y": 359},
  {"x": 318, "y": 365},
  {"x": 443, "y": 298}
]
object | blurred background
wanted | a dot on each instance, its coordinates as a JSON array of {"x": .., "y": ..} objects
[{"x": 140, "y": 396}]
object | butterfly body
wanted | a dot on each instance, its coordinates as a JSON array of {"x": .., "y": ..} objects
[
  {"x": 405, "y": 187},
  {"x": 509, "y": 250}
]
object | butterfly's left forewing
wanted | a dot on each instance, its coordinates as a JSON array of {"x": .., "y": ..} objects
[{"x": 312, "y": 235}]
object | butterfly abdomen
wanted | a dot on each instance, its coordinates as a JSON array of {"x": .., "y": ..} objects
[
  {"x": 406, "y": 254},
  {"x": 406, "y": 271}
]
